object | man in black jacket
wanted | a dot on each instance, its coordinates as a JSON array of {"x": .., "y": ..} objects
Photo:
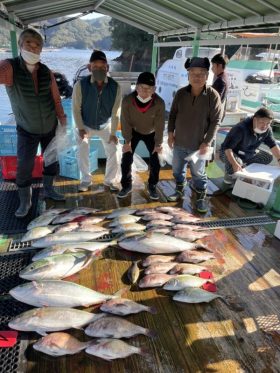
[{"x": 241, "y": 145}]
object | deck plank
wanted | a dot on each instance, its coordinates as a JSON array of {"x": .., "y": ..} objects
[{"x": 242, "y": 336}]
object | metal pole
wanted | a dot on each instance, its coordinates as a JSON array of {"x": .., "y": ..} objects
[
  {"x": 154, "y": 55},
  {"x": 13, "y": 37},
  {"x": 195, "y": 43}
]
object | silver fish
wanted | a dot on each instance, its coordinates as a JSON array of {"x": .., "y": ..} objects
[
  {"x": 69, "y": 247},
  {"x": 160, "y": 229},
  {"x": 143, "y": 212},
  {"x": 115, "y": 327},
  {"x": 67, "y": 227},
  {"x": 152, "y": 259},
  {"x": 133, "y": 273},
  {"x": 169, "y": 209},
  {"x": 185, "y": 220},
  {"x": 156, "y": 243},
  {"x": 187, "y": 268},
  {"x": 52, "y": 319},
  {"x": 58, "y": 293},
  {"x": 91, "y": 220},
  {"x": 184, "y": 281},
  {"x": 84, "y": 210},
  {"x": 123, "y": 307},
  {"x": 124, "y": 219},
  {"x": 60, "y": 344},
  {"x": 157, "y": 216},
  {"x": 194, "y": 256},
  {"x": 190, "y": 227},
  {"x": 159, "y": 223},
  {"x": 119, "y": 212},
  {"x": 67, "y": 237},
  {"x": 41, "y": 221},
  {"x": 54, "y": 212},
  {"x": 66, "y": 218},
  {"x": 58, "y": 266},
  {"x": 132, "y": 227},
  {"x": 195, "y": 295},
  {"x": 110, "y": 349},
  {"x": 159, "y": 268},
  {"x": 155, "y": 280},
  {"x": 188, "y": 235},
  {"x": 36, "y": 233}
]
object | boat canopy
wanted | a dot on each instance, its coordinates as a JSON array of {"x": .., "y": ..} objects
[{"x": 160, "y": 17}]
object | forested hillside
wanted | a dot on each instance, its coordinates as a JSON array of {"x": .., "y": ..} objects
[{"x": 79, "y": 34}]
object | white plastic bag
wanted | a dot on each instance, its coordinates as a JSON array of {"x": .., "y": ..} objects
[
  {"x": 195, "y": 156},
  {"x": 139, "y": 163},
  {"x": 166, "y": 153},
  {"x": 59, "y": 143}
]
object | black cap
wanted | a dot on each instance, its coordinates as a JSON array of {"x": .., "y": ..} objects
[
  {"x": 98, "y": 55},
  {"x": 203, "y": 63},
  {"x": 146, "y": 78}
]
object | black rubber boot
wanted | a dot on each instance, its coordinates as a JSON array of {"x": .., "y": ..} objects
[
  {"x": 25, "y": 195},
  {"x": 49, "y": 191},
  {"x": 179, "y": 192},
  {"x": 201, "y": 203}
]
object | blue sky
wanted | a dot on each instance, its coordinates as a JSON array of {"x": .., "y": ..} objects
[{"x": 89, "y": 16}]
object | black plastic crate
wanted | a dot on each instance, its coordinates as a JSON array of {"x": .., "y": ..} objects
[
  {"x": 9, "y": 203},
  {"x": 10, "y": 266},
  {"x": 12, "y": 358}
]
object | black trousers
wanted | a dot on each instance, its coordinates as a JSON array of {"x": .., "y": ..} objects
[
  {"x": 127, "y": 159},
  {"x": 27, "y": 146}
]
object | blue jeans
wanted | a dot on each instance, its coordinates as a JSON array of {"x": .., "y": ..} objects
[{"x": 179, "y": 165}]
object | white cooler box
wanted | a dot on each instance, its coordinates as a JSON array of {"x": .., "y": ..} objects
[{"x": 255, "y": 182}]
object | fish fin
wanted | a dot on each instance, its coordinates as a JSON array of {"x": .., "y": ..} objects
[
  {"x": 201, "y": 246},
  {"x": 120, "y": 292},
  {"x": 41, "y": 332},
  {"x": 152, "y": 310}
]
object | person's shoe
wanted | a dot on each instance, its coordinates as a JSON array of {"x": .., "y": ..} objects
[
  {"x": 113, "y": 187},
  {"x": 124, "y": 192},
  {"x": 25, "y": 194},
  {"x": 201, "y": 203},
  {"x": 174, "y": 197},
  {"x": 84, "y": 186},
  {"x": 179, "y": 192},
  {"x": 152, "y": 191},
  {"x": 49, "y": 191},
  {"x": 228, "y": 179}
]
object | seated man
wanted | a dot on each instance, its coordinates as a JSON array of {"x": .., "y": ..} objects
[
  {"x": 241, "y": 145},
  {"x": 142, "y": 118}
]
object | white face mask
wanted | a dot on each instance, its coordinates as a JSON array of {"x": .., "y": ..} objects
[
  {"x": 29, "y": 57},
  {"x": 259, "y": 131},
  {"x": 144, "y": 100}
]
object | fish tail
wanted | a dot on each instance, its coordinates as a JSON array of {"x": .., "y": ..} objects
[
  {"x": 120, "y": 292},
  {"x": 151, "y": 333},
  {"x": 152, "y": 310},
  {"x": 144, "y": 351}
]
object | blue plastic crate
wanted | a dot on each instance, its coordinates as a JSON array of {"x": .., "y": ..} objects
[
  {"x": 69, "y": 164},
  {"x": 8, "y": 140}
]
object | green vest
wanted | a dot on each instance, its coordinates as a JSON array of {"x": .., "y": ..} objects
[{"x": 34, "y": 112}]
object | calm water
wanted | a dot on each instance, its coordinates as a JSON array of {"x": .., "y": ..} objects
[{"x": 66, "y": 61}]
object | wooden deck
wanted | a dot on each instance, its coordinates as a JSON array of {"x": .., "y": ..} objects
[{"x": 215, "y": 337}]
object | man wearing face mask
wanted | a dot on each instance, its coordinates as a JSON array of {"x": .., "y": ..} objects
[
  {"x": 36, "y": 104},
  {"x": 142, "y": 118},
  {"x": 96, "y": 102},
  {"x": 241, "y": 145}
]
